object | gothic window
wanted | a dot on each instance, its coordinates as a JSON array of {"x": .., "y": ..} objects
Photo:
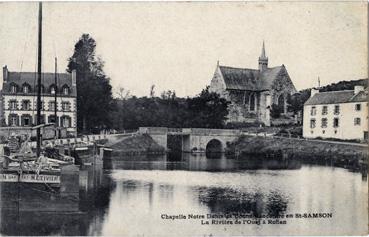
[
  {"x": 42, "y": 88},
  {"x": 51, "y": 105},
  {"x": 52, "y": 89},
  {"x": 14, "y": 88},
  {"x": 26, "y": 88},
  {"x": 65, "y": 121},
  {"x": 26, "y": 120},
  {"x": 26, "y": 105},
  {"x": 281, "y": 101},
  {"x": 66, "y": 106},
  {"x": 252, "y": 102},
  {"x": 13, "y": 105},
  {"x": 66, "y": 90},
  {"x": 13, "y": 120}
]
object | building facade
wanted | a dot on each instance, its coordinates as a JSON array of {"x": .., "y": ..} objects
[
  {"x": 252, "y": 92},
  {"x": 19, "y": 99},
  {"x": 337, "y": 114}
]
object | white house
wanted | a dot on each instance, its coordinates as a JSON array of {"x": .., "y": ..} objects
[
  {"x": 19, "y": 100},
  {"x": 337, "y": 114}
]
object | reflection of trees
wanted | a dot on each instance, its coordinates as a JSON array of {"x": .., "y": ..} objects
[
  {"x": 226, "y": 200},
  {"x": 276, "y": 204}
]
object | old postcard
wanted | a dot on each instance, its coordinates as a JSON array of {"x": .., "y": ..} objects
[{"x": 184, "y": 118}]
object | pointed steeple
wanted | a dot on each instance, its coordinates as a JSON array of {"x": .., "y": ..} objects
[
  {"x": 263, "y": 51},
  {"x": 263, "y": 59}
]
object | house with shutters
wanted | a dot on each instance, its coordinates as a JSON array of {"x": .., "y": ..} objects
[
  {"x": 337, "y": 114},
  {"x": 19, "y": 99},
  {"x": 252, "y": 92}
]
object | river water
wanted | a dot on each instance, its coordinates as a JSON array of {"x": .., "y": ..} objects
[{"x": 187, "y": 195}]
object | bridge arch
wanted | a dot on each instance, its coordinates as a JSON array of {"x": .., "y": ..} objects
[{"x": 214, "y": 146}]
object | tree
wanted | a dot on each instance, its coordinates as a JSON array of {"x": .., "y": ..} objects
[
  {"x": 207, "y": 110},
  {"x": 123, "y": 94},
  {"x": 297, "y": 100},
  {"x": 94, "y": 92}
]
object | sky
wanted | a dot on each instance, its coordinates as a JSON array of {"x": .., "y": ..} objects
[{"x": 176, "y": 45}]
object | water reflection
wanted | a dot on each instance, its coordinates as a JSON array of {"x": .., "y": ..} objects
[
  {"x": 130, "y": 198},
  {"x": 258, "y": 204}
]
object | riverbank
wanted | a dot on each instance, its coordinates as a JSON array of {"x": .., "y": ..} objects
[
  {"x": 134, "y": 145},
  {"x": 347, "y": 155}
]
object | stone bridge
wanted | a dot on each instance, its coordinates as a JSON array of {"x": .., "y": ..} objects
[{"x": 194, "y": 139}]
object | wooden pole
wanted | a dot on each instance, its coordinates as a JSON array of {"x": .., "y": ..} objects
[
  {"x": 55, "y": 97},
  {"x": 39, "y": 58}
]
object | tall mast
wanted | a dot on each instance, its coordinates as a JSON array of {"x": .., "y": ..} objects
[
  {"x": 39, "y": 78},
  {"x": 55, "y": 97}
]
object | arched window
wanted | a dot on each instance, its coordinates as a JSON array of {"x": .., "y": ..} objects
[
  {"x": 65, "y": 90},
  {"x": 65, "y": 121},
  {"x": 26, "y": 120},
  {"x": 52, "y": 105},
  {"x": 26, "y": 105},
  {"x": 26, "y": 88},
  {"x": 13, "y": 88},
  {"x": 13, "y": 105},
  {"x": 252, "y": 101},
  {"x": 66, "y": 106},
  {"x": 42, "y": 89},
  {"x": 53, "y": 89},
  {"x": 13, "y": 120},
  {"x": 281, "y": 101}
]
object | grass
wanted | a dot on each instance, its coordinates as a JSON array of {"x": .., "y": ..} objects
[{"x": 296, "y": 148}]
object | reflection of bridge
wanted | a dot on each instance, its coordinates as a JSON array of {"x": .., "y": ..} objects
[{"x": 194, "y": 139}]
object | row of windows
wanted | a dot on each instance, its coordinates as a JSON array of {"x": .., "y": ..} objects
[
  {"x": 26, "y": 88},
  {"x": 336, "y": 122},
  {"x": 26, "y": 105},
  {"x": 26, "y": 120},
  {"x": 335, "y": 111}
]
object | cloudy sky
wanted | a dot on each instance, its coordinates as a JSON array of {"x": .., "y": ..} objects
[{"x": 175, "y": 46}]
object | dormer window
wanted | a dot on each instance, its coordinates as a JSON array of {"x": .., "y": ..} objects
[
  {"x": 65, "y": 90},
  {"x": 42, "y": 89},
  {"x": 52, "y": 90},
  {"x": 13, "y": 89},
  {"x": 26, "y": 89}
]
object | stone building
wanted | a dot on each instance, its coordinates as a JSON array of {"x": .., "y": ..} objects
[
  {"x": 19, "y": 99},
  {"x": 253, "y": 91},
  {"x": 337, "y": 114}
]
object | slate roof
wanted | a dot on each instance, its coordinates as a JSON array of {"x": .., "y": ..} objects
[
  {"x": 337, "y": 97},
  {"x": 30, "y": 78},
  {"x": 249, "y": 79}
]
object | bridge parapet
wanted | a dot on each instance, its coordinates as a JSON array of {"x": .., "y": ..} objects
[
  {"x": 153, "y": 130},
  {"x": 215, "y": 132}
]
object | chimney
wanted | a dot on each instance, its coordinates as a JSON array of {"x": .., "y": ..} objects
[
  {"x": 358, "y": 89},
  {"x": 74, "y": 77},
  {"x": 313, "y": 92},
  {"x": 5, "y": 73}
]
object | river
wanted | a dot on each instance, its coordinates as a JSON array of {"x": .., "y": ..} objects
[{"x": 187, "y": 195}]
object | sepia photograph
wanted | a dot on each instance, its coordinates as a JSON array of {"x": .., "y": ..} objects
[{"x": 245, "y": 118}]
